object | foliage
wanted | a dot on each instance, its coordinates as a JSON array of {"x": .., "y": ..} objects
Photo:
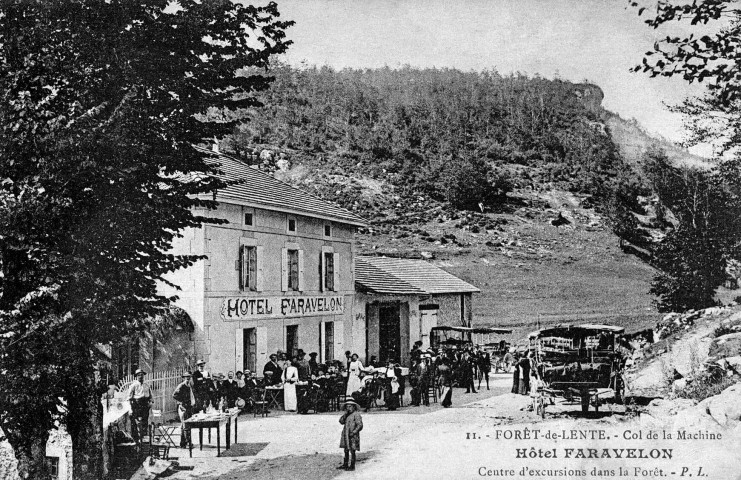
[
  {"x": 101, "y": 104},
  {"x": 706, "y": 385},
  {"x": 704, "y": 234},
  {"x": 415, "y": 129},
  {"x": 710, "y": 57}
]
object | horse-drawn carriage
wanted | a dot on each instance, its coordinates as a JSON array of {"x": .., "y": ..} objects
[{"x": 578, "y": 361}]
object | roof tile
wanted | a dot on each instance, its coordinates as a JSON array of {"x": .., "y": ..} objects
[
  {"x": 405, "y": 276},
  {"x": 259, "y": 189}
]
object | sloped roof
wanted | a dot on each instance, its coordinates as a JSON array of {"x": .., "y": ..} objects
[
  {"x": 258, "y": 189},
  {"x": 404, "y": 277}
]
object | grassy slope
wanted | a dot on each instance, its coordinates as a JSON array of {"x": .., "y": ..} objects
[{"x": 535, "y": 272}]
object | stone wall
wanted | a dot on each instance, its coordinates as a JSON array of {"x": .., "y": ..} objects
[{"x": 59, "y": 445}]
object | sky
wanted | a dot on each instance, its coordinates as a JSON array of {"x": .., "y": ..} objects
[{"x": 576, "y": 40}]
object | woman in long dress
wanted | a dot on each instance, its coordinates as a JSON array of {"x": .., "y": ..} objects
[
  {"x": 290, "y": 377},
  {"x": 353, "y": 375}
]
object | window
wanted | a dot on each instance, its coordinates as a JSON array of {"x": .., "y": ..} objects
[
  {"x": 328, "y": 341},
  {"x": 292, "y": 225},
  {"x": 293, "y": 270},
  {"x": 248, "y": 219},
  {"x": 328, "y": 271},
  {"x": 327, "y": 230},
  {"x": 53, "y": 465},
  {"x": 248, "y": 268}
]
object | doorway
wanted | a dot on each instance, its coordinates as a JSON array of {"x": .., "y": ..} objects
[
  {"x": 249, "y": 342},
  {"x": 389, "y": 333},
  {"x": 291, "y": 340},
  {"x": 427, "y": 320}
]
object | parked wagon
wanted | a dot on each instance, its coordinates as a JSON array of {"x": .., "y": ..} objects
[
  {"x": 578, "y": 361},
  {"x": 452, "y": 335}
]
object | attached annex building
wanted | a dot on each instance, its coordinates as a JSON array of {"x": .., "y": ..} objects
[{"x": 398, "y": 301}]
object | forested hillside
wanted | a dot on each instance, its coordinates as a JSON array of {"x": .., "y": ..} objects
[
  {"x": 462, "y": 138},
  {"x": 513, "y": 183}
]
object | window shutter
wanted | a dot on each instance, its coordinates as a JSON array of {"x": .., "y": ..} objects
[
  {"x": 259, "y": 250},
  {"x": 241, "y": 266},
  {"x": 339, "y": 335},
  {"x": 284, "y": 270},
  {"x": 321, "y": 271},
  {"x": 336, "y": 268},
  {"x": 301, "y": 286}
]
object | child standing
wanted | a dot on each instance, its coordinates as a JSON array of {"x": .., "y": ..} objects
[{"x": 350, "y": 441}]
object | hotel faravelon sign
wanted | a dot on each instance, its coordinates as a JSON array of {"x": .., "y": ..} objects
[{"x": 254, "y": 308}]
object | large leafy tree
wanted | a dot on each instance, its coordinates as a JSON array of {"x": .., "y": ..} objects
[
  {"x": 704, "y": 231},
  {"x": 102, "y": 102},
  {"x": 710, "y": 56},
  {"x": 692, "y": 258}
]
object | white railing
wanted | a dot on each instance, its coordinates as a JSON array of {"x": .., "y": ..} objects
[{"x": 162, "y": 384}]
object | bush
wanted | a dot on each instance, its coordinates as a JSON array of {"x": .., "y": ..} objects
[
  {"x": 706, "y": 385},
  {"x": 470, "y": 183}
]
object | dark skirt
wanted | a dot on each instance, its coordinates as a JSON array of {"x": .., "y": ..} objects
[{"x": 516, "y": 381}]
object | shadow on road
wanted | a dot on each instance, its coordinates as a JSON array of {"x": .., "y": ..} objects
[{"x": 315, "y": 466}]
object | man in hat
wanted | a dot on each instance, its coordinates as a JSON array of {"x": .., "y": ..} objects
[
  {"x": 304, "y": 369},
  {"x": 416, "y": 352},
  {"x": 140, "y": 399},
  {"x": 272, "y": 371},
  {"x": 186, "y": 399},
  {"x": 202, "y": 385},
  {"x": 313, "y": 364}
]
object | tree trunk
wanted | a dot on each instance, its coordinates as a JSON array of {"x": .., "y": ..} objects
[
  {"x": 85, "y": 426},
  {"x": 29, "y": 447},
  {"x": 85, "y": 416}
]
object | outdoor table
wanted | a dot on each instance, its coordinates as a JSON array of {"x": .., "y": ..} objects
[
  {"x": 273, "y": 394},
  {"x": 213, "y": 420}
]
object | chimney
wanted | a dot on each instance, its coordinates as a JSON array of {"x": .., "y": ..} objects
[{"x": 215, "y": 146}]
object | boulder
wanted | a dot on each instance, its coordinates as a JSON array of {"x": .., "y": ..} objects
[
  {"x": 725, "y": 346},
  {"x": 724, "y": 408}
]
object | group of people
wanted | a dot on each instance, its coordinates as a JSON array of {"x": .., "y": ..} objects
[{"x": 306, "y": 384}]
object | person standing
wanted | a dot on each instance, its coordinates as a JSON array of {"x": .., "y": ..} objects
[
  {"x": 525, "y": 374},
  {"x": 185, "y": 396},
  {"x": 469, "y": 365},
  {"x": 231, "y": 390},
  {"x": 203, "y": 386},
  {"x": 484, "y": 367},
  {"x": 140, "y": 399},
  {"x": 313, "y": 364},
  {"x": 423, "y": 379},
  {"x": 304, "y": 369},
  {"x": 290, "y": 377},
  {"x": 391, "y": 385},
  {"x": 515, "y": 374},
  {"x": 350, "y": 441},
  {"x": 353, "y": 375},
  {"x": 446, "y": 380},
  {"x": 272, "y": 371}
]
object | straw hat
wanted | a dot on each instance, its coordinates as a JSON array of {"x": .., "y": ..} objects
[{"x": 350, "y": 401}]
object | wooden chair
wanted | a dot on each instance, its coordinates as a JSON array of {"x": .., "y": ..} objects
[
  {"x": 162, "y": 432},
  {"x": 259, "y": 402},
  {"x": 157, "y": 448},
  {"x": 432, "y": 391}
]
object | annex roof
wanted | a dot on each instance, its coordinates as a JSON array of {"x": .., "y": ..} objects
[
  {"x": 254, "y": 188},
  {"x": 406, "y": 277}
]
